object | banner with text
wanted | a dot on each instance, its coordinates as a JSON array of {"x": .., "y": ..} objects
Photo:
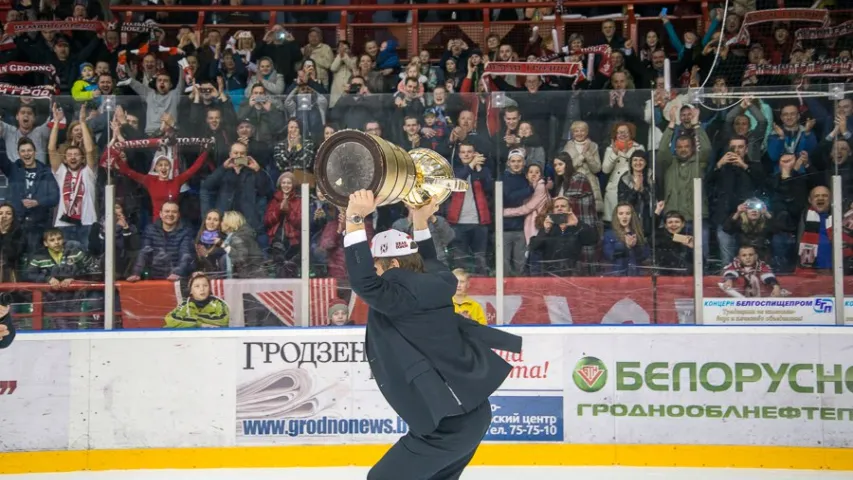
[
  {"x": 758, "y": 388},
  {"x": 319, "y": 390}
]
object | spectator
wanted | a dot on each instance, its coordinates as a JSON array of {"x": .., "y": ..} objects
[
  {"x": 283, "y": 220},
  {"x": 617, "y": 162},
  {"x": 208, "y": 242},
  {"x": 295, "y": 154},
  {"x": 127, "y": 245},
  {"x": 791, "y": 137},
  {"x": 534, "y": 205},
  {"x": 160, "y": 100},
  {"x": 751, "y": 225},
  {"x": 258, "y": 109},
  {"x": 469, "y": 212},
  {"x": 752, "y": 271},
  {"x": 32, "y": 192},
  {"x": 25, "y": 117},
  {"x": 161, "y": 188},
  {"x": 243, "y": 256},
  {"x": 441, "y": 232},
  {"x": 815, "y": 250},
  {"x": 58, "y": 266},
  {"x": 167, "y": 248},
  {"x": 278, "y": 46},
  {"x": 77, "y": 192},
  {"x": 200, "y": 309},
  {"x": 680, "y": 169},
  {"x": 339, "y": 313},
  {"x": 462, "y": 303},
  {"x": 788, "y": 198},
  {"x": 624, "y": 245},
  {"x": 635, "y": 188},
  {"x": 735, "y": 178},
  {"x": 560, "y": 241},
  {"x": 673, "y": 249},
  {"x": 12, "y": 245},
  {"x": 240, "y": 185},
  {"x": 343, "y": 68},
  {"x": 585, "y": 158},
  {"x": 320, "y": 53}
]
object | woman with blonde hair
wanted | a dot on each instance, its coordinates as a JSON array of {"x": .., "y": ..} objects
[
  {"x": 624, "y": 245},
  {"x": 243, "y": 256},
  {"x": 585, "y": 158},
  {"x": 617, "y": 162}
]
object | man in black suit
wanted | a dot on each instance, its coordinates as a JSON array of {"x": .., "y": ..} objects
[
  {"x": 7, "y": 329},
  {"x": 434, "y": 367}
]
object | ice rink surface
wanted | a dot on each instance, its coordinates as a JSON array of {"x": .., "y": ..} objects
[{"x": 473, "y": 473}]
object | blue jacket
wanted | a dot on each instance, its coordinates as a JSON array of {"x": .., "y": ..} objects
[
  {"x": 624, "y": 261},
  {"x": 165, "y": 253},
  {"x": 516, "y": 190},
  {"x": 44, "y": 190}
]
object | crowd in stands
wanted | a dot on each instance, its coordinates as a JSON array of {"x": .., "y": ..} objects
[{"x": 208, "y": 135}]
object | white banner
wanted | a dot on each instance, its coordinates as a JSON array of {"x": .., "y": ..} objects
[
  {"x": 769, "y": 311},
  {"x": 756, "y": 388},
  {"x": 35, "y": 395}
]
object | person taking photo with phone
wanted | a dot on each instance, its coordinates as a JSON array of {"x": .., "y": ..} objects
[{"x": 560, "y": 240}]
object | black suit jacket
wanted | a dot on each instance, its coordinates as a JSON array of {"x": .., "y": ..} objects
[
  {"x": 7, "y": 340},
  {"x": 428, "y": 361}
]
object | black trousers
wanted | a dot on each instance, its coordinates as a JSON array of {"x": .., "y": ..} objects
[{"x": 439, "y": 455}]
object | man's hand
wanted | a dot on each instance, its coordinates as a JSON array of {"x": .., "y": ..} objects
[
  {"x": 421, "y": 216},
  {"x": 361, "y": 203},
  {"x": 53, "y": 282},
  {"x": 30, "y": 203}
]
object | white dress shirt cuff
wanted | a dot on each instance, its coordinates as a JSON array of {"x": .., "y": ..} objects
[
  {"x": 357, "y": 236},
  {"x": 421, "y": 235}
]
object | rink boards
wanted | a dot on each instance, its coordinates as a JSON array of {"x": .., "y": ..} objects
[{"x": 748, "y": 397}]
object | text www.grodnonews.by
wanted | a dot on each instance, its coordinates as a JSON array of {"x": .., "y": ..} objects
[{"x": 325, "y": 426}]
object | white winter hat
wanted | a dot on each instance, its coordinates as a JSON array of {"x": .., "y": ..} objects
[{"x": 392, "y": 243}]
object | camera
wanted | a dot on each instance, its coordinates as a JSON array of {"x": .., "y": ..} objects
[
  {"x": 354, "y": 89},
  {"x": 206, "y": 90},
  {"x": 755, "y": 205}
]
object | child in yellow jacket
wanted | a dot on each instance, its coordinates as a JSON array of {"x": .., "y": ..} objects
[
  {"x": 85, "y": 88},
  {"x": 462, "y": 303}
]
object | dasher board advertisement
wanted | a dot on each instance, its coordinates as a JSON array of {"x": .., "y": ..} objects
[
  {"x": 319, "y": 390},
  {"x": 756, "y": 388}
]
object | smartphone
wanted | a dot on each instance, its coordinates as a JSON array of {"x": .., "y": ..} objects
[
  {"x": 241, "y": 161},
  {"x": 677, "y": 237},
  {"x": 261, "y": 99},
  {"x": 559, "y": 218},
  {"x": 755, "y": 205},
  {"x": 663, "y": 11}
]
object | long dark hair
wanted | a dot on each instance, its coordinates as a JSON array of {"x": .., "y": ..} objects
[{"x": 565, "y": 179}]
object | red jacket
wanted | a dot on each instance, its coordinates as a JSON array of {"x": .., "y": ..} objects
[
  {"x": 292, "y": 218},
  {"x": 160, "y": 191}
]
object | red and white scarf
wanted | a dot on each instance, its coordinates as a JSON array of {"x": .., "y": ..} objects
[
  {"x": 753, "y": 276},
  {"x": 73, "y": 191}
]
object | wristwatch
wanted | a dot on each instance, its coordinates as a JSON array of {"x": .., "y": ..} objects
[{"x": 355, "y": 219}]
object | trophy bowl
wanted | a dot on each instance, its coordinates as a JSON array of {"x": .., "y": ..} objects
[{"x": 351, "y": 160}]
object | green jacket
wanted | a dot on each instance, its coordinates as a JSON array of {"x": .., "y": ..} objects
[
  {"x": 678, "y": 176},
  {"x": 189, "y": 315}
]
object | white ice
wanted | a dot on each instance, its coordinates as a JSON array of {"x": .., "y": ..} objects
[{"x": 473, "y": 473}]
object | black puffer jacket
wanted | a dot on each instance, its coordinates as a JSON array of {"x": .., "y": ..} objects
[{"x": 164, "y": 253}]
